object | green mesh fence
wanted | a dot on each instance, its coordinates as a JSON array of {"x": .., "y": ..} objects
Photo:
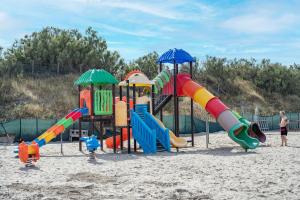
[{"x": 29, "y": 129}]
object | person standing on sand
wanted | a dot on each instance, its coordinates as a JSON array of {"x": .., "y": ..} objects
[{"x": 283, "y": 128}]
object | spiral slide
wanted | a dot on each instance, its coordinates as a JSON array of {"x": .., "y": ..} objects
[{"x": 237, "y": 130}]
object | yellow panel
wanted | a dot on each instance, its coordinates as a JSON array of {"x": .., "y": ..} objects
[
  {"x": 202, "y": 96},
  {"x": 31, "y": 150},
  {"x": 121, "y": 114},
  {"x": 49, "y": 137}
]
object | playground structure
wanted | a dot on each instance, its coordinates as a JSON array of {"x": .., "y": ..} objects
[{"x": 134, "y": 116}]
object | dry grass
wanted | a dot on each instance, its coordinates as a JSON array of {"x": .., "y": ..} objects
[{"x": 54, "y": 96}]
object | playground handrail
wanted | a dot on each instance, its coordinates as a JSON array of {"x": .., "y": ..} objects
[{"x": 143, "y": 134}]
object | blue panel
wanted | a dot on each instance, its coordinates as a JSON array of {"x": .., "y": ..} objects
[
  {"x": 84, "y": 111},
  {"x": 143, "y": 134},
  {"x": 177, "y": 56},
  {"x": 162, "y": 135},
  {"x": 41, "y": 142},
  {"x": 140, "y": 109}
]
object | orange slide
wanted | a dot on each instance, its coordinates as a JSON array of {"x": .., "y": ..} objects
[{"x": 110, "y": 141}]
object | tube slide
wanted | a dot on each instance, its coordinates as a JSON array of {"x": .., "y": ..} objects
[
  {"x": 110, "y": 141},
  {"x": 237, "y": 130},
  {"x": 32, "y": 150},
  {"x": 254, "y": 130},
  {"x": 175, "y": 141}
]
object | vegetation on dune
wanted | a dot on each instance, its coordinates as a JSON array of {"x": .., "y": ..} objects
[{"x": 37, "y": 74}]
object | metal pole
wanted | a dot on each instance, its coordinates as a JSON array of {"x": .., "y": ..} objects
[
  {"x": 113, "y": 117},
  {"x": 20, "y": 133},
  {"x": 37, "y": 126},
  {"x": 101, "y": 135},
  {"x": 79, "y": 120},
  {"x": 61, "y": 144},
  {"x": 128, "y": 115},
  {"x": 134, "y": 102},
  {"x": 192, "y": 108},
  {"x": 207, "y": 131},
  {"x": 121, "y": 131},
  {"x": 175, "y": 103},
  {"x": 92, "y": 109},
  {"x": 152, "y": 99},
  {"x": 298, "y": 120}
]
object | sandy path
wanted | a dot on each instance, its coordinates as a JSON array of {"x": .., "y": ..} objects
[{"x": 224, "y": 171}]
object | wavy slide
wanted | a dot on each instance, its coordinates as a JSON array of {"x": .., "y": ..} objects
[
  {"x": 175, "y": 141},
  {"x": 237, "y": 130},
  {"x": 26, "y": 151}
]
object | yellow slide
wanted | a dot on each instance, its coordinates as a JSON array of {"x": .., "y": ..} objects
[{"x": 175, "y": 141}]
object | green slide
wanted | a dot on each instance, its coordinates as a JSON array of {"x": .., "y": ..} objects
[{"x": 242, "y": 138}]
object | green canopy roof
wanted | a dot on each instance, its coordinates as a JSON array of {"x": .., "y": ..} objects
[{"x": 96, "y": 77}]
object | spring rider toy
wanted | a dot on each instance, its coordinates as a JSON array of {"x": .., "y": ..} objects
[{"x": 91, "y": 144}]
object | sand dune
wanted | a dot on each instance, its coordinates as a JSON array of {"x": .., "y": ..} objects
[{"x": 224, "y": 171}]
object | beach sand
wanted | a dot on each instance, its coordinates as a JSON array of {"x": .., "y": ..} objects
[{"x": 223, "y": 171}]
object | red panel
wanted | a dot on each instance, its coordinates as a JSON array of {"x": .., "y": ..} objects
[
  {"x": 69, "y": 115},
  {"x": 181, "y": 80},
  {"x": 215, "y": 107},
  {"x": 76, "y": 115},
  {"x": 190, "y": 88},
  {"x": 23, "y": 152},
  {"x": 168, "y": 88}
]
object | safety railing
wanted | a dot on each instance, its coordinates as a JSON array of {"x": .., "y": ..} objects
[
  {"x": 162, "y": 135},
  {"x": 143, "y": 134}
]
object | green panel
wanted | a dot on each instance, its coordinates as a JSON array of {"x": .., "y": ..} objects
[
  {"x": 67, "y": 122},
  {"x": 96, "y": 77},
  {"x": 103, "y": 102},
  {"x": 159, "y": 81},
  {"x": 61, "y": 121},
  {"x": 166, "y": 75}
]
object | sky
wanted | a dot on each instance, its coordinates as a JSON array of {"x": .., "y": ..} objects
[{"x": 224, "y": 28}]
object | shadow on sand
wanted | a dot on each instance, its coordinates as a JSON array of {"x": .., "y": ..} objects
[{"x": 29, "y": 168}]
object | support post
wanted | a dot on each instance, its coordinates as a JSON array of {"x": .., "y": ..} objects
[
  {"x": 175, "y": 99},
  {"x": 20, "y": 133},
  {"x": 121, "y": 131},
  {"x": 192, "y": 108},
  {"x": 207, "y": 131},
  {"x": 79, "y": 120},
  {"x": 152, "y": 99},
  {"x": 61, "y": 144},
  {"x": 37, "y": 126},
  {"x": 128, "y": 115},
  {"x": 101, "y": 135},
  {"x": 134, "y": 102},
  {"x": 92, "y": 109},
  {"x": 161, "y": 110},
  {"x": 113, "y": 117}
]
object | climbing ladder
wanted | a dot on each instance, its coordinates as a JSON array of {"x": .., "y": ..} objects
[{"x": 144, "y": 125}]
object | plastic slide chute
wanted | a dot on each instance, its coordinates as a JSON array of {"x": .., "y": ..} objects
[
  {"x": 31, "y": 151},
  {"x": 237, "y": 130},
  {"x": 253, "y": 128},
  {"x": 110, "y": 141},
  {"x": 175, "y": 141}
]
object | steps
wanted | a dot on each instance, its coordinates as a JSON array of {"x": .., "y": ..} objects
[{"x": 160, "y": 102}]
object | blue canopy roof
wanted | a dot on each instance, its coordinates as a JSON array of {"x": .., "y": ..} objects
[{"x": 178, "y": 56}]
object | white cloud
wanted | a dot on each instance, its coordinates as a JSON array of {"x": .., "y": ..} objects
[
  {"x": 260, "y": 23},
  {"x": 141, "y": 33},
  {"x": 6, "y": 22}
]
